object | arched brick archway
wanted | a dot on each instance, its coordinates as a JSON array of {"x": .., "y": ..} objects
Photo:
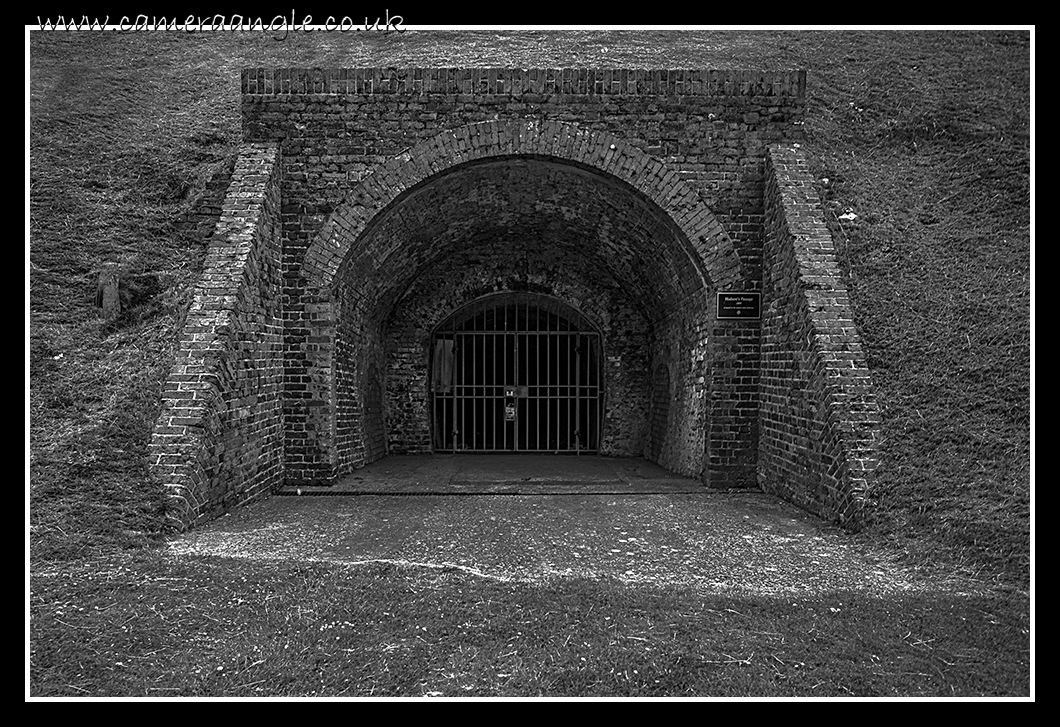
[
  {"x": 656, "y": 244},
  {"x": 707, "y": 244}
]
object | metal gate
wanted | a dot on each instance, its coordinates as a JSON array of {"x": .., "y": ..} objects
[{"x": 516, "y": 373}]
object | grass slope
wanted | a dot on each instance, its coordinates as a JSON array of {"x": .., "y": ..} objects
[
  {"x": 924, "y": 136},
  {"x": 144, "y": 626}
]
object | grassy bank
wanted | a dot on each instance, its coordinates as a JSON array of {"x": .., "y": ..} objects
[{"x": 155, "y": 627}]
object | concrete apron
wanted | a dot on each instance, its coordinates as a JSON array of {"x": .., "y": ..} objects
[
  {"x": 535, "y": 518},
  {"x": 515, "y": 474}
]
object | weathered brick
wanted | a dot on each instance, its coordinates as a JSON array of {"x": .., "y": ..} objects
[{"x": 820, "y": 423}]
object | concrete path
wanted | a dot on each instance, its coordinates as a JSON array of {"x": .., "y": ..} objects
[
  {"x": 524, "y": 474},
  {"x": 538, "y": 518}
]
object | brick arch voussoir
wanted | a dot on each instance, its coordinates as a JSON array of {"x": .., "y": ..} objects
[{"x": 710, "y": 247}]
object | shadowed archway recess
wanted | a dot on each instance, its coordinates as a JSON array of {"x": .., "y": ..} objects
[
  {"x": 698, "y": 232},
  {"x": 538, "y": 213}
]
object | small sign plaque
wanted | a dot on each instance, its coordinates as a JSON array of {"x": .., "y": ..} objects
[{"x": 739, "y": 306}]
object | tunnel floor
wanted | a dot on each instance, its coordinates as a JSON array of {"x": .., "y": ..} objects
[{"x": 517, "y": 474}]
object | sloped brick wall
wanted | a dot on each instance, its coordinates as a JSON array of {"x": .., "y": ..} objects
[
  {"x": 819, "y": 420},
  {"x": 218, "y": 442}
]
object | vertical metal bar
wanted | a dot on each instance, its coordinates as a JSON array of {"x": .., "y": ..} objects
[
  {"x": 530, "y": 432},
  {"x": 589, "y": 394},
  {"x": 452, "y": 424},
  {"x": 558, "y": 338},
  {"x": 494, "y": 408},
  {"x": 561, "y": 376},
  {"x": 596, "y": 372},
  {"x": 468, "y": 436},
  {"x": 434, "y": 392},
  {"x": 480, "y": 381},
  {"x": 462, "y": 432},
  {"x": 492, "y": 405},
  {"x": 474, "y": 395},
  {"x": 522, "y": 374},
  {"x": 582, "y": 356},
  {"x": 563, "y": 379},
  {"x": 589, "y": 380},
  {"x": 577, "y": 393},
  {"x": 548, "y": 394},
  {"x": 483, "y": 341},
  {"x": 592, "y": 372},
  {"x": 498, "y": 391},
  {"x": 447, "y": 421},
  {"x": 457, "y": 379},
  {"x": 584, "y": 425},
  {"x": 548, "y": 402},
  {"x": 458, "y": 407},
  {"x": 515, "y": 381},
  {"x": 566, "y": 377},
  {"x": 485, "y": 389},
  {"x": 532, "y": 391},
  {"x": 558, "y": 384},
  {"x": 588, "y": 425},
  {"x": 484, "y": 377},
  {"x": 598, "y": 378},
  {"x": 454, "y": 380},
  {"x": 537, "y": 403},
  {"x": 562, "y": 392},
  {"x": 504, "y": 376},
  {"x": 526, "y": 370},
  {"x": 519, "y": 373}
]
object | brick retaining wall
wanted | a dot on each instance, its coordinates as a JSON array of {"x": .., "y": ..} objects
[
  {"x": 218, "y": 441},
  {"x": 820, "y": 423}
]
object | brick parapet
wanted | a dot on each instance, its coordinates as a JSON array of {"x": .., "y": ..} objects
[
  {"x": 518, "y": 82},
  {"x": 819, "y": 419}
]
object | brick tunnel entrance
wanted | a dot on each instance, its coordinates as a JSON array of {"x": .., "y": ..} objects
[
  {"x": 516, "y": 373},
  {"x": 377, "y": 216},
  {"x": 512, "y": 287}
]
